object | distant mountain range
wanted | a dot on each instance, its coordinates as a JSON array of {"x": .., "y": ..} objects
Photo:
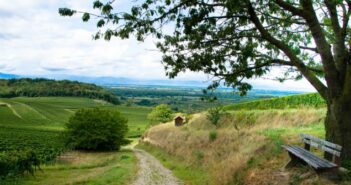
[
  {"x": 8, "y": 76},
  {"x": 110, "y": 81}
]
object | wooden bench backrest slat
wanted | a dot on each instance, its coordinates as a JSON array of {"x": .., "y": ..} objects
[
  {"x": 322, "y": 147},
  {"x": 321, "y": 142}
]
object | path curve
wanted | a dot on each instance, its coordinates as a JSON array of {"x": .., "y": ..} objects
[{"x": 152, "y": 172}]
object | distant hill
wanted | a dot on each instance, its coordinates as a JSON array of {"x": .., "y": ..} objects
[
  {"x": 292, "y": 101},
  {"x": 44, "y": 87},
  {"x": 8, "y": 76}
]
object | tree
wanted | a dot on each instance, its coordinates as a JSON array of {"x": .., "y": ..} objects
[
  {"x": 96, "y": 129},
  {"x": 161, "y": 113},
  {"x": 235, "y": 40},
  {"x": 214, "y": 114}
]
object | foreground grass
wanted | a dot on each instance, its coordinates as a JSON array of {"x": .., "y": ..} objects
[
  {"x": 189, "y": 174},
  {"x": 247, "y": 147},
  {"x": 93, "y": 168}
]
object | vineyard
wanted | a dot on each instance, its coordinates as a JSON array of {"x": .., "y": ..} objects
[
  {"x": 295, "y": 101},
  {"x": 31, "y": 128},
  {"x": 47, "y": 144}
]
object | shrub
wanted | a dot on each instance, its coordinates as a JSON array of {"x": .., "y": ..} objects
[
  {"x": 96, "y": 129},
  {"x": 18, "y": 162},
  {"x": 161, "y": 113},
  {"x": 212, "y": 136},
  {"x": 214, "y": 115}
]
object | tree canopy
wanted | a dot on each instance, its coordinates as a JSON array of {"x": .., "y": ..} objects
[
  {"x": 96, "y": 129},
  {"x": 160, "y": 114}
]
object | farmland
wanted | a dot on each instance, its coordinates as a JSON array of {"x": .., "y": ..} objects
[
  {"x": 50, "y": 113},
  {"x": 187, "y": 99},
  {"x": 36, "y": 124}
]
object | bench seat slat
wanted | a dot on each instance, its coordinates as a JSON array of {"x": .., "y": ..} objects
[
  {"x": 308, "y": 157},
  {"x": 320, "y": 161},
  {"x": 300, "y": 154}
]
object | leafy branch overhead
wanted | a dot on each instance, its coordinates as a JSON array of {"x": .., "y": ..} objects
[{"x": 234, "y": 40}]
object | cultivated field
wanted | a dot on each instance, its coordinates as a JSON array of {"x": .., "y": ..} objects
[
  {"x": 50, "y": 113},
  {"x": 36, "y": 124}
]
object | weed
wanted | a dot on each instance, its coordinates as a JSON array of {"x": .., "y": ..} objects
[{"x": 212, "y": 136}]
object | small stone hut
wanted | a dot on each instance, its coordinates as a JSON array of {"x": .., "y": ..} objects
[{"x": 179, "y": 121}]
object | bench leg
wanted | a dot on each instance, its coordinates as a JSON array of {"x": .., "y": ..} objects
[{"x": 293, "y": 161}]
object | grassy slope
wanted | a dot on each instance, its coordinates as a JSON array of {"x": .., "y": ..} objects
[
  {"x": 30, "y": 121},
  {"x": 247, "y": 149},
  {"x": 293, "y": 101},
  {"x": 52, "y": 112}
]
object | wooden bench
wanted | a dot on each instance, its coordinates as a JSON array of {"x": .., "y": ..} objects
[{"x": 304, "y": 156}]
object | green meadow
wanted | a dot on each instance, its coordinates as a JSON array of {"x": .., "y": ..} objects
[{"x": 50, "y": 113}]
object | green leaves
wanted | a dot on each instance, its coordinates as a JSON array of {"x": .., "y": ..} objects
[
  {"x": 100, "y": 23},
  {"x": 106, "y": 9},
  {"x": 96, "y": 129},
  {"x": 66, "y": 12},
  {"x": 161, "y": 113},
  {"x": 86, "y": 17},
  {"x": 97, "y": 4}
]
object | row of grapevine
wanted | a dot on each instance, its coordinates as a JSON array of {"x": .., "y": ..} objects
[
  {"x": 31, "y": 147},
  {"x": 293, "y": 101}
]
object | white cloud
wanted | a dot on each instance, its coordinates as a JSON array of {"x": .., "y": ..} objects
[{"x": 35, "y": 40}]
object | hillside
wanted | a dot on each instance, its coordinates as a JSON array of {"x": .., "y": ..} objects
[
  {"x": 36, "y": 124},
  {"x": 245, "y": 148},
  {"x": 50, "y": 113},
  {"x": 44, "y": 87},
  {"x": 312, "y": 100}
]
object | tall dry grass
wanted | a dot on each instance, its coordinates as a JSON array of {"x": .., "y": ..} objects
[{"x": 238, "y": 140}]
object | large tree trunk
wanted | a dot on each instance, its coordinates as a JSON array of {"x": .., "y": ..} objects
[{"x": 338, "y": 124}]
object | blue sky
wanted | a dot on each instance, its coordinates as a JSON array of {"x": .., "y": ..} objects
[{"x": 35, "y": 40}]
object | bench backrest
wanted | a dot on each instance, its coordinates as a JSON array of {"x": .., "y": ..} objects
[{"x": 321, "y": 144}]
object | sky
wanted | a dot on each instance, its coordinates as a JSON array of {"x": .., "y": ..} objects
[{"x": 35, "y": 40}]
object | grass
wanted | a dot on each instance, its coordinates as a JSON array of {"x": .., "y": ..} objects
[
  {"x": 189, "y": 174},
  {"x": 51, "y": 113},
  {"x": 91, "y": 168},
  {"x": 245, "y": 140}
]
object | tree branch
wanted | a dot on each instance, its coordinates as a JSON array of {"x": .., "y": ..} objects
[
  {"x": 320, "y": 87},
  {"x": 331, "y": 72}
]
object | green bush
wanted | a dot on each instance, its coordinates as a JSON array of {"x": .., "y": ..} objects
[
  {"x": 161, "y": 113},
  {"x": 214, "y": 115},
  {"x": 212, "y": 136},
  {"x": 18, "y": 162},
  {"x": 96, "y": 129}
]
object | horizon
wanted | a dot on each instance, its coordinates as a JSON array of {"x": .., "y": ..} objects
[
  {"x": 125, "y": 81},
  {"x": 55, "y": 46}
]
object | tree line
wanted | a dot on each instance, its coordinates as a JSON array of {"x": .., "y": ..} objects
[{"x": 45, "y": 87}]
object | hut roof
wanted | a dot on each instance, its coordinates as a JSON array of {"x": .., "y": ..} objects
[{"x": 177, "y": 117}]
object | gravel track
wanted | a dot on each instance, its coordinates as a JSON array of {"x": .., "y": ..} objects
[{"x": 152, "y": 172}]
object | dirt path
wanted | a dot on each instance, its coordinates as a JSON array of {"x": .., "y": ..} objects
[{"x": 151, "y": 171}]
